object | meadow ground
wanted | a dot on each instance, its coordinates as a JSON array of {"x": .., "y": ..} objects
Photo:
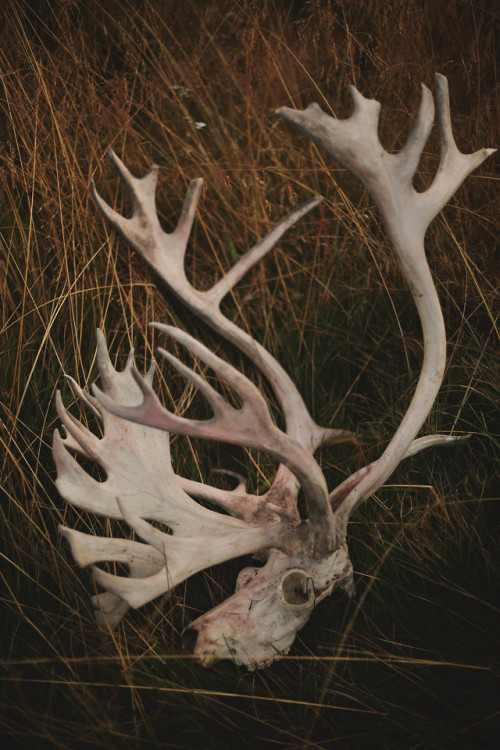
[{"x": 412, "y": 661}]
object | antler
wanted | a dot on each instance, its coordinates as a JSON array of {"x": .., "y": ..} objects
[
  {"x": 305, "y": 560},
  {"x": 250, "y": 426},
  {"x": 165, "y": 252},
  {"x": 406, "y": 214},
  {"x": 140, "y": 484}
]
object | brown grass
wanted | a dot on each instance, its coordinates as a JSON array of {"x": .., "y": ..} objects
[{"x": 411, "y": 662}]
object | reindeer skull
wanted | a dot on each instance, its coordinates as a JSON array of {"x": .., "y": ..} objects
[
  {"x": 305, "y": 559},
  {"x": 270, "y": 606}
]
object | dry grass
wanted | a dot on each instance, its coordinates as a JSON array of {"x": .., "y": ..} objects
[{"x": 412, "y": 662}]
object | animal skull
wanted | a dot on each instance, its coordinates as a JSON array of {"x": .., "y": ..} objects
[{"x": 305, "y": 560}]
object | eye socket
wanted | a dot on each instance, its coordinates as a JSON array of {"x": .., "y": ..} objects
[
  {"x": 296, "y": 587},
  {"x": 189, "y": 638}
]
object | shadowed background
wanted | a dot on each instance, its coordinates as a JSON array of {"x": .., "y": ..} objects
[{"x": 412, "y": 660}]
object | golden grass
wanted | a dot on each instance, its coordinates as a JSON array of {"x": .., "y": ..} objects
[{"x": 411, "y": 662}]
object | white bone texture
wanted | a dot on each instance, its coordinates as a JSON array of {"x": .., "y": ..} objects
[{"x": 304, "y": 559}]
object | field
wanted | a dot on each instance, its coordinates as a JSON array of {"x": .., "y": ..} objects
[{"x": 412, "y": 660}]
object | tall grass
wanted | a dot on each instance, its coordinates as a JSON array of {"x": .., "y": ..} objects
[{"x": 412, "y": 660}]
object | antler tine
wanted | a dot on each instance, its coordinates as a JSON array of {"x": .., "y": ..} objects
[
  {"x": 216, "y": 401},
  {"x": 454, "y": 166},
  {"x": 225, "y": 285},
  {"x": 410, "y": 154},
  {"x": 406, "y": 214},
  {"x": 420, "y": 444},
  {"x": 88, "y": 549},
  {"x": 251, "y": 426}
]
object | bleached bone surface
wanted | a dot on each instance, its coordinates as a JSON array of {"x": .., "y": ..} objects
[{"x": 305, "y": 559}]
